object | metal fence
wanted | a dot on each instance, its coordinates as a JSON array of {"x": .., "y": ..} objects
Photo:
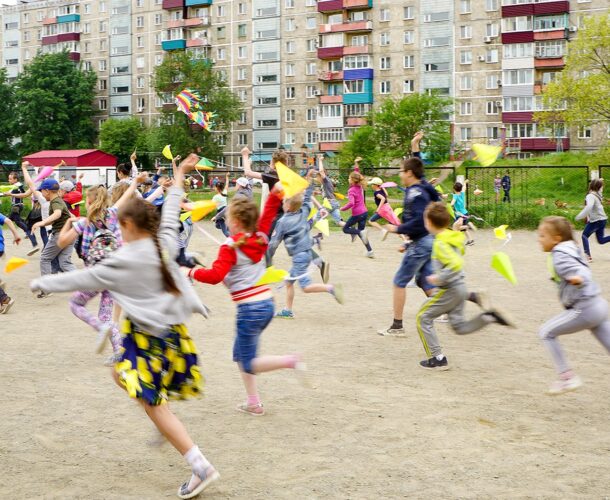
[
  {"x": 603, "y": 171},
  {"x": 533, "y": 192}
]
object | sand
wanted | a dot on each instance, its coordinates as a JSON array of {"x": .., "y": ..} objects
[{"x": 375, "y": 425}]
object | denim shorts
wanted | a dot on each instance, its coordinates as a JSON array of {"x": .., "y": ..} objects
[
  {"x": 417, "y": 262},
  {"x": 252, "y": 319},
  {"x": 300, "y": 264},
  {"x": 375, "y": 217}
]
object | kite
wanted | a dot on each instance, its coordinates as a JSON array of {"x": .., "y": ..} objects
[
  {"x": 500, "y": 232},
  {"x": 189, "y": 102},
  {"x": 339, "y": 196},
  {"x": 322, "y": 226},
  {"x": 272, "y": 275},
  {"x": 167, "y": 152},
  {"x": 326, "y": 204},
  {"x": 312, "y": 213},
  {"x": 293, "y": 183},
  {"x": 204, "y": 164},
  {"x": 486, "y": 155},
  {"x": 501, "y": 263},
  {"x": 201, "y": 209},
  {"x": 14, "y": 263}
]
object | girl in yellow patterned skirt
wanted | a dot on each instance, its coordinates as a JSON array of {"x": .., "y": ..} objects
[{"x": 159, "y": 359}]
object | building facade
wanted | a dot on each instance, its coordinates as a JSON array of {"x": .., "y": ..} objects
[{"x": 307, "y": 72}]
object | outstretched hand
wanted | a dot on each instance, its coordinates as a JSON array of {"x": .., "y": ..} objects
[{"x": 189, "y": 163}]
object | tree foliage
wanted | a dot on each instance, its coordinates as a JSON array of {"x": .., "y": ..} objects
[
  {"x": 122, "y": 137},
  {"x": 392, "y": 126},
  {"x": 177, "y": 72},
  {"x": 54, "y": 100},
  {"x": 581, "y": 92},
  {"x": 8, "y": 122}
]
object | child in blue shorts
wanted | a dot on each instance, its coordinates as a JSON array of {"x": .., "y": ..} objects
[{"x": 293, "y": 230}]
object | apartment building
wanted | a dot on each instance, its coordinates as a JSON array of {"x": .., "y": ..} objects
[{"x": 307, "y": 72}]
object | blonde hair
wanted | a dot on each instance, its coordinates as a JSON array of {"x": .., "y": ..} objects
[
  {"x": 117, "y": 191},
  {"x": 357, "y": 178},
  {"x": 559, "y": 226},
  {"x": 245, "y": 212},
  {"x": 294, "y": 202},
  {"x": 97, "y": 204},
  {"x": 282, "y": 157}
]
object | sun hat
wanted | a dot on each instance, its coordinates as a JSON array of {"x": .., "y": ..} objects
[{"x": 376, "y": 181}]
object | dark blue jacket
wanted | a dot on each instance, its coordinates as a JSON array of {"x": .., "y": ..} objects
[{"x": 417, "y": 198}]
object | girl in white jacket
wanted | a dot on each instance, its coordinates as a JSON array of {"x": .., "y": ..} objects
[{"x": 595, "y": 216}]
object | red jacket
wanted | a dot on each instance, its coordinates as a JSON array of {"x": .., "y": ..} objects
[{"x": 74, "y": 196}]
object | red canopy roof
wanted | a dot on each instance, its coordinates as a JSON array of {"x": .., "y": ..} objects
[{"x": 73, "y": 158}]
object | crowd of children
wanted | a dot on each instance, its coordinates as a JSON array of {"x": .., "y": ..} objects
[{"x": 134, "y": 253}]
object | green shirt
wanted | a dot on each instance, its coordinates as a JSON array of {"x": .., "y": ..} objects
[{"x": 58, "y": 204}]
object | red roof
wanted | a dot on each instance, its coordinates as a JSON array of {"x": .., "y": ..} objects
[{"x": 73, "y": 158}]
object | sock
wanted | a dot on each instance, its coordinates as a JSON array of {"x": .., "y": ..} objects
[
  {"x": 253, "y": 400},
  {"x": 331, "y": 289},
  {"x": 198, "y": 464},
  {"x": 397, "y": 323},
  {"x": 440, "y": 357}
]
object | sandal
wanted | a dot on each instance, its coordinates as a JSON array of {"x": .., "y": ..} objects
[
  {"x": 254, "y": 410},
  {"x": 209, "y": 477}
]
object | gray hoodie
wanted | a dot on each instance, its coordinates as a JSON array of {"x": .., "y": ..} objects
[
  {"x": 594, "y": 208},
  {"x": 132, "y": 276},
  {"x": 568, "y": 261}
]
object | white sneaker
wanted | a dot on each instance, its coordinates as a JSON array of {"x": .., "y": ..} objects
[
  {"x": 370, "y": 254},
  {"x": 561, "y": 386},
  {"x": 33, "y": 251},
  {"x": 384, "y": 234},
  {"x": 392, "y": 332}
]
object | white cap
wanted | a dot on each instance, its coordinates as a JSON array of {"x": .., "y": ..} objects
[
  {"x": 243, "y": 182},
  {"x": 66, "y": 186}
]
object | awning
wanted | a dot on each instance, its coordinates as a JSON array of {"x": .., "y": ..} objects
[
  {"x": 261, "y": 157},
  {"x": 330, "y": 154}
]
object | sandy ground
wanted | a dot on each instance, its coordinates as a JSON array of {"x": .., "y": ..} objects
[{"x": 374, "y": 426}]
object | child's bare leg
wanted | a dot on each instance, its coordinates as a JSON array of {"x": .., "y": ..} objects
[
  {"x": 376, "y": 225},
  {"x": 289, "y": 296},
  {"x": 170, "y": 426},
  {"x": 317, "y": 288}
]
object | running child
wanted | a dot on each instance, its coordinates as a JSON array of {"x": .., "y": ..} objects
[
  {"x": 380, "y": 196},
  {"x": 585, "y": 308},
  {"x": 17, "y": 194},
  {"x": 159, "y": 359},
  {"x": 293, "y": 230},
  {"x": 328, "y": 192},
  {"x": 458, "y": 203},
  {"x": 451, "y": 293},
  {"x": 595, "y": 215},
  {"x": 355, "y": 194},
  {"x": 5, "y": 301},
  {"x": 220, "y": 198}
]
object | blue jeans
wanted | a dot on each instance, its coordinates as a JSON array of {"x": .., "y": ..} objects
[
  {"x": 252, "y": 319},
  {"x": 598, "y": 228},
  {"x": 360, "y": 220},
  {"x": 417, "y": 262}
]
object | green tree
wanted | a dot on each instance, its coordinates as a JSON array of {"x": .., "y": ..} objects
[
  {"x": 581, "y": 92},
  {"x": 122, "y": 137},
  {"x": 178, "y": 72},
  {"x": 7, "y": 111},
  {"x": 54, "y": 102},
  {"x": 392, "y": 126}
]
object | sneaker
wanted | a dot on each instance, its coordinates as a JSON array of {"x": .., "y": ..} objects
[
  {"x": 254, "y": 410},
  {"x": 482, "y": 300},
  {"x": 337, "y": 293},
  {"x": 325, "y": 271},
  {"x": 501, "y": 317},
  {"x": 561, "y": 386},
  {"x": 384, "y": 234},
  {"x": 42, "y": 295},
  {"x": 364, "y": 235},
  {"x": 285, "y": 313},
  {"x": 469, "y": 243},
  {"x": 6, "y": 304},
  {"x": 102, "y": 336},
  {"x": 210, "y": 475},
  {"x": 443, "y": 318},
  {"x": 392, "y": 332},
  {"x": 370, "y": 254},
  {"x": 435, "y": 364},
  {"x": 33, "y": 251}
]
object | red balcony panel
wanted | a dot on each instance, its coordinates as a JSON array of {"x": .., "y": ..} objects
[
  {"x": 330, "y": 52},
  {"x": 175, "y": 23},
  {"x": 330, "y": 5},
  {"x": 197, "y": 42},
  {"x": 353, "y": 121},
  {"x": 330, "y": 146},
  {"x": 68, "y": 37},
  {"x": 353, "y": 26},
  {"x": 518, "y": 10},
  {"x": 356, "y": 49},
  {"x": 195, "y": 21},
  {"x": 357, "y": 4},
  {"x": 331, "y": 99},
  {"x": 555, "y": 62},
  {"x": 518, "y": 37},
  {"x": 173, "y": 4},
  {"x": 330, "y": 76},
  {"x": 49, "y": 40},
  {"x": 49, "y": 20},
  {"x": 543, "y": 144},
  {"x": 544, "y": 8},
  {"x": 517, "y": 116},
  {"x": 74, "y": 56},
  {"x": 551, "y": 35}
]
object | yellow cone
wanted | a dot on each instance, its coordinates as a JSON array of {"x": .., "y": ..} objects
[
  {"x": 339, "y": 196},
  {"x": 486, "y": 155},
  {"x": 167, "y": 152},
  {"x": 312, "y": 213},
  {"x": 501, "y": 263},
  {"x": 201, "y": 209},
  {"x": 322, "y": 226},
  {"x": 326, "y": 204},
  {"x": 500, "y": 231},
  {"x": 272, "y": 275},
  {"x": 14, "y": 263},
  {"x": 292, "y": 182}
]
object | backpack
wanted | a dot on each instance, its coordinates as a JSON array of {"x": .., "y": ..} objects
[{"x": 102, "y": 244}]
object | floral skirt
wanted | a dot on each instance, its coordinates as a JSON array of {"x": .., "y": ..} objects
[{"x": 155, "y": 369}]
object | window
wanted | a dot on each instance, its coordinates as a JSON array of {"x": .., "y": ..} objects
[
  {"x": 242, "y": 139},
  {"x": 120, "y": 109},
  {"x": 492, "y": 81},
  {"x": 408, "y": 37},
  {"x": 87, "y": 65},
  {"x": 291, "y": 47},
  {"x": 491, "y": 5},
  {"x": 290, "y": 115},
  {"x": 492, "y": 107},
  {"x": 556, "y": 22},
  {"x": 139, "y": 3},
  {"x": 548, "y": 77},
  {"x": 357, "y": 109},
  {"x": 491, "y": 29},
  {"x": 331, "y": 111},
  {"x": 158, "y": 19},
  {"x": 102, "y": 65},
  {"x": 243, "y": 117},
  {"x": 290, "y": 92},
  {"x": 157, "y": 39},
  {"x": 241, "y": 9},
  {"x": 466, "y": 82},
  {"x": 444, "y": 66},
  {"x": 102, "y": 7},
  {"x": 220, "y": 11},
  {"x": 241, "y": 30},
  {"x": 158, "y": 59},
  {"x": 102, "y": 84},
  {"x": 261, "y": 35},
  {"x": 11, "y": 43},
  {"x": 310, "y": 68},
  {"x": 385, "y": 87},
  {"x": 87, "y": 47},
  {"x": 242, "y": 52},
  {"x": 514, "y": 50},
  {"x": 407, "y": 12},
  {"x": 465, "y": 108},
  {"x": 124, "y": 89},
  {"x": 11, "y": 26},
  {"x": 119, "y": 51},
  {"x": 242, "y": 95},
  {"x": 520, "y": 130},
  {"x": 311, "y": 91},
  {"x": 290, "y": 25},
  {"x": 384, "y": 39},
  {"x": 87, "y": 28},
  {"x": 465, "y": 7},
  {"x": 312, "y": 114},
  {"x": 408, "y": 86},
  {"x": 331, "y": 135},
  {"x": 493, "y": 132},
  {"x": 221, "y": 32},
  {"x": 124, "y": 9},
  {"x": 521, "y": 23},
  {"x": 290, "y": 138},
  {"x": 408, "y": 62},
  {"x": 385, "y": 62},
  {"x": 465, "y": 32},
  {"x": 140, "y": 22},
  {"x": 465, "y": 56},
  {"x": 436, "y": 42},
  {"x": 290, "y": 69},
  {"x": 87, "y": 8},
  {"x": 241, "y": 73},
  {"x": 118, "y": 70},
  {"x": 311, "y": 23},
  {"x": 465, "y": 133},
  {"x": 518, "y": 104},
  {"x": 312, "y": 44},
  {"x": 103, "y": 45},
  {"x": 140, "y": 82},
  {"x": 384, "y": 14},
  {"x": 555, "y": 48},
  {"x": 221, "y": 54},
  {"x": 518, "y": 77},
  {"x": 353, "y": 86},
  {"x": 140, "y": 62},
  {"x": 289, "y": 4},
  {"x": 103, "y": 104},
  {"x": 267, "y": 123},
  {"x": 491, "y": 56},
  {"x": 102, "y": 27},
  {"x": 140, "y": 41},
  {"x": 584, "y": 132},
  {"x": 312, "y": 137}
]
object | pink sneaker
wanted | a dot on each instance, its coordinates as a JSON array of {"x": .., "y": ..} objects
[{"x": 254, "y": 410}]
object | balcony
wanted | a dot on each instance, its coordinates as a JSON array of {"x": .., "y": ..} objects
[
  {"x": 518, "y": 10},
  {"x": 330, "y": 52},
  {"x": 356, "y": 49},
  {"x": 68, "y": 18},
  {"x": 330, "y": 5},
  {"x": 195, "y": 3},
  {"x": 173, "y": 4},
  {"x": 331, "y": 99},
  {"x": 354, "y": 121},
  {"x": 518, "y": 37},
  {"x": 330, "y": 76},
  {"x": 64, "y": 37},
  {"x": 357, "y": 4},
  {"x": 74, "y": 56},
  {"x": 543, "y": 144},
  {"x": 517, "y": 117},
  {"x": 358, "y": 74},
  {"x": 189, "y": 23},
  {"x": 173, "y": 44},
  {"x": 544, "y": 8},
  {"x": 198, "y": 42},
  {"x": 49, "y": 20},
  {"x": 551, "y": 62},
  {"x": 559, "y": 34},
  {"x": 330, "y": 146},
  {"x": 352, "y": 26}
]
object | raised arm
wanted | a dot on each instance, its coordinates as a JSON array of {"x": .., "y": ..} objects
[
  {"x": 130, "y": 190},
  {"x": 248, "y": 172},
  {"x": 415, "y": 149},
  {"x": 321, "y": 166},
  {"x": 26, "y": 176},
  {"x": 134, "y": 167}
]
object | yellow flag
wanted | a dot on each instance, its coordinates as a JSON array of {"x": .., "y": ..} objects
[
  {"x": 326, "y": 204},
  {"x": 272, "y": 275},
  {"x": 292, "y": 182},
  {"x": 501, "y": 263},
  {"x": 322, "y": 226},
  {"x": 167, "y": 152},
  {"x": 312, "y": 213},
  {"x": 398, "y": 212},
  {"x": 486, "y": 155},
  {"x": 185, "y": 216},
  {"x": 500, "y": 231},
  {"x": 201, "y": 209},
  {"x": 14, "y": 263},
  {"x": 340, "y": 196}
]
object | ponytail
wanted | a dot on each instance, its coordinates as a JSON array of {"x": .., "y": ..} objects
[{"x": 168, "y": 280}]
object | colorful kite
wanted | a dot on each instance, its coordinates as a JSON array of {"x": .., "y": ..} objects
[
  {"x": 204, "y": 164},
  {"x": 189, "y": 102}
]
